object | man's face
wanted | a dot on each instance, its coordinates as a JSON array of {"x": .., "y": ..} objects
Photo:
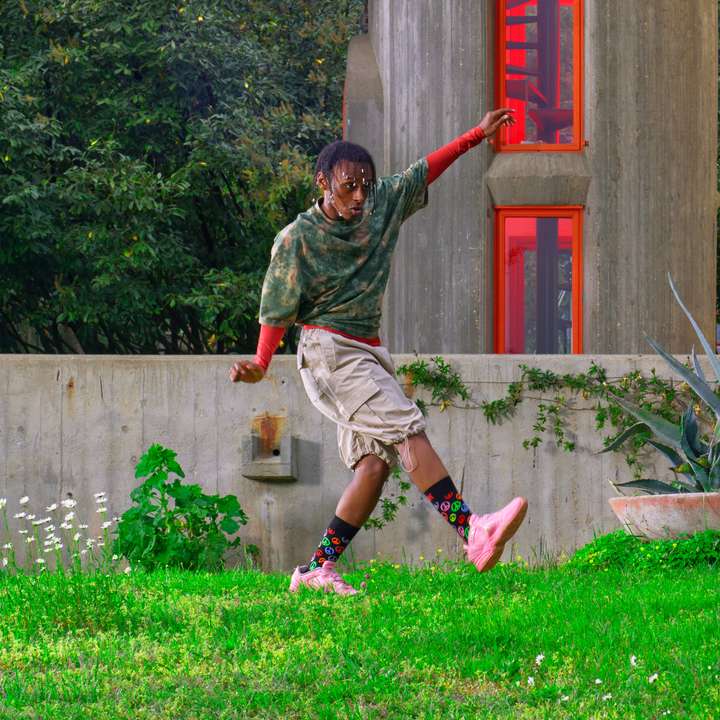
[{"x": 346, "y": 190}]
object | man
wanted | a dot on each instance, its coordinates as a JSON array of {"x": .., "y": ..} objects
[{"x": 328, "y": 271}]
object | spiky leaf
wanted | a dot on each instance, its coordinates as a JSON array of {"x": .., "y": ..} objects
[
  {"x": 692, "y": 446},
  {"x": 703, "y": 390},
  {"x": 668, "y": 432},
  {"x": 709, "y": 351},
  {"x": 623, "y": 436},
  {"x": 696, "y": 365},
  {"x": 652, "y": 487}
]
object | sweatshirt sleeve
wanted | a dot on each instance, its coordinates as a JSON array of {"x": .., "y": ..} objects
[
  {"x": 281, "y": 291},
  {"x": 405, "y": 193}
]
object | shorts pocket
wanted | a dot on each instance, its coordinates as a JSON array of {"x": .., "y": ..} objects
[{"x": 350, "y": 399}]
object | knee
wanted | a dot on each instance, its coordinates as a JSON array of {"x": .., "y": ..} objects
[{"x": 373, "y": 469}]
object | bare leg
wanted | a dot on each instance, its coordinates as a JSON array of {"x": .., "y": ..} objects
[
  {"x": 363, "y": 492},
  {"x": 418, "y": 453}
]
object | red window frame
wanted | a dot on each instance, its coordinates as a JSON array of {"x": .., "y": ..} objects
[
  {"x": 575, "y": 213},
  {"x": 501, "y": 88}
]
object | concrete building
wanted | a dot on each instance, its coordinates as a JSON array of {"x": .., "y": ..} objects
[{"x": 559, "y": 237}]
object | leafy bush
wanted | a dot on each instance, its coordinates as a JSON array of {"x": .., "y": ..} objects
[
  {"x": 189, "y": 535},
  {"x": 619, "y": 549},
  {"x": 149, "y": 152}
]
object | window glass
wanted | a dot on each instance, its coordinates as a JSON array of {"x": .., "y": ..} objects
[
  {"x": 538, "y": 284},
  {"x": 538, "y": 69}
]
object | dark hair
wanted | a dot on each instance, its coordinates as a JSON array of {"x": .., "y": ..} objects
[{"x": 340, "y": 151}]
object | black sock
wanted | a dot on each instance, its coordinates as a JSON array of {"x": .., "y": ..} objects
[
  {"x": 337, "y": 537},
  {"x": 449, "y": 503}
]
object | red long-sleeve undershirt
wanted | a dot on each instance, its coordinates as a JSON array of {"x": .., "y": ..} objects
[
  {"x": 442, "y": 158},
  {"x": 438, "y": 162}
]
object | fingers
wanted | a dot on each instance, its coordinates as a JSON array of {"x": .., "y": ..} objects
[{"x": 245, "y": 371}]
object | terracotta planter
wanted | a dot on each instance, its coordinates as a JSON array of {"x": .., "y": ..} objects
[{"x": 665, "y": 516}]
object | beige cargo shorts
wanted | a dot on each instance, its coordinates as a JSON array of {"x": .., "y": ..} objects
[{"x": 354, "y": 385}]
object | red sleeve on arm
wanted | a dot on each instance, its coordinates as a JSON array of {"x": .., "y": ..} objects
[
  {"x": 440, "y": 160},
  {"x": 268, "y": 342}
]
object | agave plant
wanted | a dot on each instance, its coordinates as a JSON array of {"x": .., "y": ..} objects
[{"x": 695, "y": 462}]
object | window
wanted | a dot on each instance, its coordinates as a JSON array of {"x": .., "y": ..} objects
[
  {"x": 538, "y": 282},
  {"x": 539, "y": 67}
]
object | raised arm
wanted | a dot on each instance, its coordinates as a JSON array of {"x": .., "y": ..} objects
[{"x": 441, "y": 159}]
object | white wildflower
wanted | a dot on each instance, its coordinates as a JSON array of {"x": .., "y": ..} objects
[
  {"x": 101, "y": 509},
  {"x": 52, "y": 507},
  {"x": 76, "y": 536},
  {"x": 82, "y": 552},
  {"x": 7, "y": 546},
  {"x": 116, "y": 518},
  {"x": 127, "y": 569},
  {"x": 100, "y": 494},
  {"x": 69, "y": 503},
  {"x": 19, "y": 515},
  {"x": 23, "y": 532},
  {"x": 42, "y": 521},
  {"x": 653, "y": 678},
  {"x": 3, "y": 503},
  {"x": 50, "y": 528},
  {"x": 31, "y": 517},
  {"x": 4, "y": 562},
  {"x": 633, "y": 660},
  {"x": 90, "y": 542},
  {"x": 69, "y": 516},
  {"x": 24, "y": 500},
  {"x": 607, "y": 696},
  {"x": 48, "y": 549},
  {"x": 40, "y": 561},
  {"x": 539, "y": 658},
  {"x": 30, "y": 539},
  {"x": 106, "y": 524},
  {"x": 564, "y": 698},
  {"x": 66, "y": 526},
  {"x": 531, "y": 681},
  {"x": 598, "y": 681},
  {"x": 50, "y": 541},
  {"x": 83, "y": 527},
  {"x": 114, "y": 557}
]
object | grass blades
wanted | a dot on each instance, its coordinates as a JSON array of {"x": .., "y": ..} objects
[{"x": 441, "y": 641}]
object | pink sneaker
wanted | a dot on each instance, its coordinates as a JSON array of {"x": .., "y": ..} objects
[
  {"x": 489, "y": 533},
  {"x": 323, "y": 578}
]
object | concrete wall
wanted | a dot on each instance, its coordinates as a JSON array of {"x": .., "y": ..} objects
[
  {"x": 647, "y": 176},
  {"x": 71, "y": 426}
]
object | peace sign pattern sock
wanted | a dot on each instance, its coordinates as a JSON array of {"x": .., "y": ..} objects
[
  {"x": 336, "y": 538},
  {"x": 446, "y": 499}
]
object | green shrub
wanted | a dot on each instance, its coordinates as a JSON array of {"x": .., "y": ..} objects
[
  {"x": 619, "y": 549},
  {"x": 189, "y": 535}
]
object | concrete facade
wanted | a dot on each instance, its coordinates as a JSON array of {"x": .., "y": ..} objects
[
  {"x": 71, "y": 426},
  {"x": 646, "y": 177}
]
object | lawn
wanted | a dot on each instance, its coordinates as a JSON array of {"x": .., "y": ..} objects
[{"x": 440, "y": 641}]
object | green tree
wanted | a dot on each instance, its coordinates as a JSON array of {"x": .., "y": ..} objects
[{"x": 149, "y": 152}]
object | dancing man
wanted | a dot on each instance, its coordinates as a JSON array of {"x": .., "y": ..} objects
[{"x": 328, "y": 272}]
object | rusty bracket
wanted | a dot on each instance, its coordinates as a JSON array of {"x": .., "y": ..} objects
[{"x": 275, "y": 464}]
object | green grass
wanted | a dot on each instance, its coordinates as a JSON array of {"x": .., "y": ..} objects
[{"x": 433, "y": 642}]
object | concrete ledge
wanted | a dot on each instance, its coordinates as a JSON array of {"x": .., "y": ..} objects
[
  {"x": 539, "y": 178},
  {"x": 71, "y": 426}
]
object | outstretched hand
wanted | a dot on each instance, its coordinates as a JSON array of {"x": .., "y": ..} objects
[
  {"x": 495, "y": 119},
  {"x": 246, "y": 371}
]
